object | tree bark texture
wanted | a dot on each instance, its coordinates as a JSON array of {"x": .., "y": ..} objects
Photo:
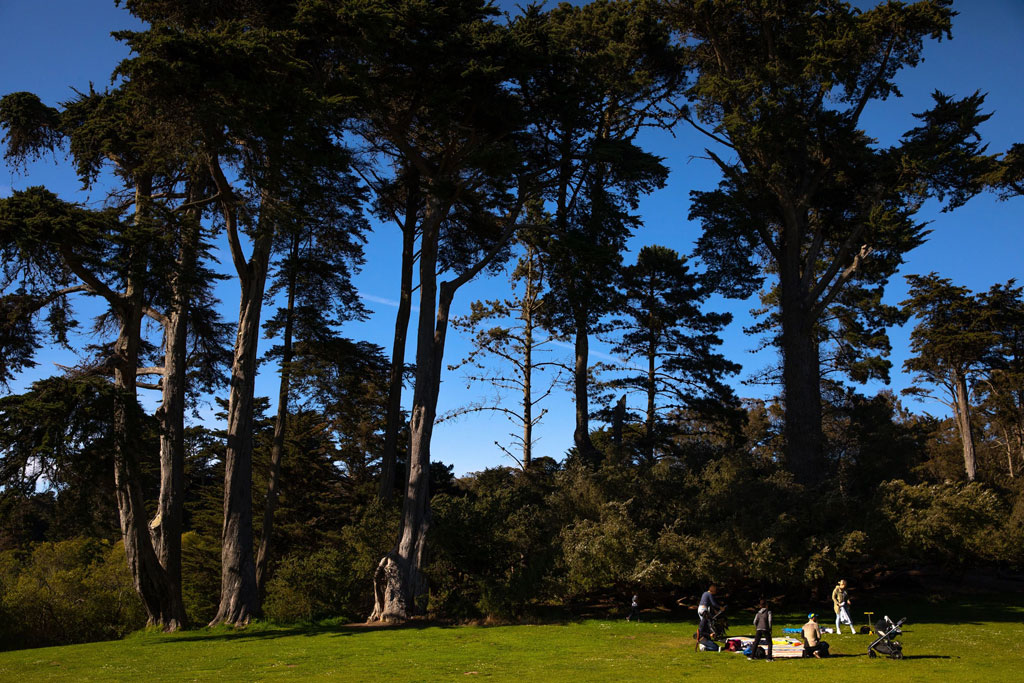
[
  {"x": 166, "y": 528},
  {"x": 581, "y": 434},
  {"x": 398, "y": 581},
  {"x": 393, "y": 422},
  {"x": 963, "y": 423},
  {"x": 239, "y": 599},
  {"x": 280, "y": 424}
]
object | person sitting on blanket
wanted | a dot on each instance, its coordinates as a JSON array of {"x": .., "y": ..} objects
[
  {"x": 814, "y": 646},
  {"x": 707, "y": 602},
  {"x": 762, "y": 629},
  {"x": 840, "y": 603}
]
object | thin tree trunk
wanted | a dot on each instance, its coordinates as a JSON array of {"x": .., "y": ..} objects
[
  {"x": 581, "y": 434},
  {"x": 280, "y": 424},
  {"x": 963, "y": 423},
  {"x": 393, "y": 422},
  {"x": 167, "y": 526},
  {"x": 239, "y": 599},
  {"x": 529, "y": 305},
  {"x": 652, "y": 393}
]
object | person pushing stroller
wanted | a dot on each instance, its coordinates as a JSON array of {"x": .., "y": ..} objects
[{"x": 706, "y": 610}]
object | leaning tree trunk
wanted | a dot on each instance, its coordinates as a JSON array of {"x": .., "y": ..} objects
[
  {"x": 393, "y": 421},
  {"x": 239, "y": 599},
  {"x": 801, "y": 377},
  {"x": 277, "y": 446},
  {"x": 963, "y": 423}
]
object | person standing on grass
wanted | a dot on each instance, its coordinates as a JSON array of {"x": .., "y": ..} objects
[
  {"x": 634, "y": 610},
  {"x": 840, "y": 603},
  {"x": 707, "y": 603},
  {"x": 762, "y": 629}
]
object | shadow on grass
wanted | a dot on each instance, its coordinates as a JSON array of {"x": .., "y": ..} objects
[{"x": 227, "y": 633}]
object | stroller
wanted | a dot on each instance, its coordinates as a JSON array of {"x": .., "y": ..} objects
[
  {"x": 885, "y": 644},
  {"x": 718, "y": 625}
]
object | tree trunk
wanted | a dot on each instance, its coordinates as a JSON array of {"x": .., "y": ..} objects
[
  {"x": 239, "y": 599},
  {"x": 277, "y": 446},
  {"x": 581, "y": 377},
  {"x": 528, "y": 307},
  {"x": 166, "y": 528},
  {"x": 652, "y": 394},
  {"x": 963, "y": 423},
  {"x": 801, "y": 376},
  {"x": 163, "y": 606},
  {"x": 394, "y": 415},
  {"x": 397, "y": 580}
]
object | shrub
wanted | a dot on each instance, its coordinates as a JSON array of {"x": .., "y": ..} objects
[
  {"x": 310, "y": 587},
  {"x": 74, "y": 591}
]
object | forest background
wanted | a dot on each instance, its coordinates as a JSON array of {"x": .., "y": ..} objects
[{"x": 601, "y": 541}]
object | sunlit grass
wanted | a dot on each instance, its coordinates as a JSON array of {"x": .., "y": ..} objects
[{"x": 962, "y": 640}]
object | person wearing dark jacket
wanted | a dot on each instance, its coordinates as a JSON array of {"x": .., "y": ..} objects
[{"x": 762, "y": 629}]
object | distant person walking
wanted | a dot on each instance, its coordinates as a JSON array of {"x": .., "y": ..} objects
[
  {"x": 634, "y": 610},
  {"x": 841, "y": 604},
  {"x": 762, "y": 629}
]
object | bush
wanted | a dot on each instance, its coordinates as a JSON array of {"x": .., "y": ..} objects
[
  {"x": 74, "y": 591},
  {"x": 310, "y": 587},
  {"x": 949, "y": 523}
]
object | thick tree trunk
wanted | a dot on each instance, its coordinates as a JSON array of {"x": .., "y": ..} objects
[
  {"x": 581, "y": 378},
  {"x": 801, "y": 376},
  {"x": 393, "y": 422},
  {"x": 280, "y": 423},
  {"x": 963, "y": 423}
]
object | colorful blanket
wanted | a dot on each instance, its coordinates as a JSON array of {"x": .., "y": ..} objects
[{"x": 781, "y": 647}]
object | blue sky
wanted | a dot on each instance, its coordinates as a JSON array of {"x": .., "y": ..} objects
[{"x": 51, "y": 46}]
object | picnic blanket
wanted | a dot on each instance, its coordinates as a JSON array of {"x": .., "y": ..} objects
[{"x": 781, "y": 647}]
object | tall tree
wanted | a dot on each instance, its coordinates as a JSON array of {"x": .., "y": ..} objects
[
  {"x": 600, "y": 73},
  {"x": 457, "y": 124},
  {"x": 517, "y": 344},
  {"x": 1002, "y": 389},
  {"x": 664, "y": 329},
  {"x": 808, "y": 201},
  {"x": 122, "y": 131},
  {"x": 251, "y": 77},
  {"x": 314, "y": 271},
  {"x": 951, "y": 342}
]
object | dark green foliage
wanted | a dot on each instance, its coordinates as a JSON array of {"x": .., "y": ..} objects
[
  {"x": 57, "y": 438},
  {"x": 309, "y": 587},
  {"x": 74, "y": 591}
]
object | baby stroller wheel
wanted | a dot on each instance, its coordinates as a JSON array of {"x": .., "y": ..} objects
[
  {"x": 897, "y": 655},
  {"x": 871, "y": 654}
]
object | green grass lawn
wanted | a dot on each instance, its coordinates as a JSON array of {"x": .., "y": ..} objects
[{"x": 961, "y": 640}]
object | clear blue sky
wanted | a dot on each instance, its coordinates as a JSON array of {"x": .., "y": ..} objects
[{"x": 51, "y": 46}]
